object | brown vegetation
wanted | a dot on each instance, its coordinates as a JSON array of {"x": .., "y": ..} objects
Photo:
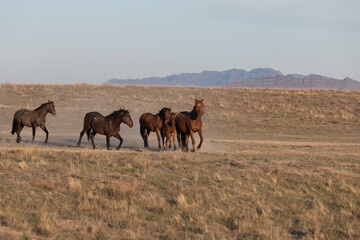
[{"x": 284, "y": 165}]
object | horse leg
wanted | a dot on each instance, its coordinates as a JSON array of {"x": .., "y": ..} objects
[
  {"x": 168, "y": 140},
  {"x": 178, "y": 139},
  {"x": 81, "y": 135},
  {"x": 143, "y": 135},
  {"x": 186, "y": 140},
  {"x": 183, "y": 139},
  {"x": 158, "y": 136},
  {"x": 92, "y": 139},
  {"x": 47, "y": 133},
  {"x": 18, "y": 138},
  {"x": 173, "y": 135},
  {"x": 108, "y": 142},
  {"x": 166, "y": 143},
  {"x": 147, "y": 138},
  {"x": 163, "y": 138},
  {"x": 201, "y": 139},
  {"x": 33, "y": 132},
  {"x": 192, "y": 140},
  {"x": 121, "y": 140}
]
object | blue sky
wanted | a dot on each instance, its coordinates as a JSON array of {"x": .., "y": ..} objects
[{"x": 63, "y": 41}]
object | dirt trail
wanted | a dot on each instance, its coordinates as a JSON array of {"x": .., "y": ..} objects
[
  {"x": 284, "y": 143},
  {"x": 68, "y": 142}
]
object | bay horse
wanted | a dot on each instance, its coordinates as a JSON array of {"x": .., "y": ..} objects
[
  {"x": 153, "y": 123},
  {"x": 188, "y": 123},
  {"x": 109, "y": 126},
  {"x": 168, "y": 132},
  {"x": 35, "y": 118}
]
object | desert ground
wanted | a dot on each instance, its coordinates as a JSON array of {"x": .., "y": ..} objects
[{"x": 275, "y": 164}]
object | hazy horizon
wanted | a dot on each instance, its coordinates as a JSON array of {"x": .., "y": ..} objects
[{"x": 91, "y": 41}]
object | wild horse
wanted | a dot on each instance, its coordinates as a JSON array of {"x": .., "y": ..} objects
[
  {"x": 188, "y": 123},
  {"x": 153, "y": 123},
  {"x": 109, "y": 126},
  {"x": 168, "y": 132},
  {"x": 34, "y": 119}
]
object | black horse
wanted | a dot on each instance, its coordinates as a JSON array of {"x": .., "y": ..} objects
[
  {"x": 109, "y": 126},
  {"x": 35, "y": 118}
]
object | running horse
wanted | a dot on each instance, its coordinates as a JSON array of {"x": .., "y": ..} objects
[
  {"x": 188, "y": 123},
  {"x": 109, "y": 126},
  {"x": 153, "y": 123},
  {"x": 35, "y": 118}
]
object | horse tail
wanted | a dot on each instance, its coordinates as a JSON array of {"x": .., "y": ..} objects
[
  {"x": 87, "y": 124},
  {"x": 13, "y": 126}
]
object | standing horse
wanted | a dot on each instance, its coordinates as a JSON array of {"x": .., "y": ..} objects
[
  {"x": 153, "y": 123},
  {"x": 168, "y": 132},
  {"x": 35, "y": 118},
  {"x": 109, "y": 126},
  {"x": 188, "y": 123}
]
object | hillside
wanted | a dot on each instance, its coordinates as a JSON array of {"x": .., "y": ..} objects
[
  {"x": 206, "y": 78},
  {"x": 275, "y": 164},
  {"x": 256, "y": 78},
  {"x": 296, "y": 82}
]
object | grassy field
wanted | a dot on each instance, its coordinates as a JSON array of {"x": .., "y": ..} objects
[{"x": 275, "y": 164}]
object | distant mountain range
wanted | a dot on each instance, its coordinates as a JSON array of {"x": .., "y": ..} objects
[{"x": 256, "y": 78}]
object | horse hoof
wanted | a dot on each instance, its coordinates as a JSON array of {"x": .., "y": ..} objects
[{"x": 117, "y": 148}]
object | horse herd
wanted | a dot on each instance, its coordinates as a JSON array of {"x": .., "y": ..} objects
[{"x": 165, "y": 124}]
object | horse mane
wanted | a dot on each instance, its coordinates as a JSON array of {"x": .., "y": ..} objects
[
  {"x": 42, "y": 105},
  {"x": 121, "y": 110},
  {"x": 163, "y": 110}
]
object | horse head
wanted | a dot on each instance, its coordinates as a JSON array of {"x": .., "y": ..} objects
[
  {"x": 126, "y": 118},
  {"x": 165, "y": 114},
  {"x": 51, "y": 108},
  {"x": 172, "y": 119},
  {"x": 199, "y": 105}
]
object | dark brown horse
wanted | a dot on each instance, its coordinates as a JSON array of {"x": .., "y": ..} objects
[
  {"x": 35, "y": 118},
  {"x": 168, "y": 132},
  {"x": 188, "y": 123},
  {"x": 153, "y": 123},
  {"x": 109, "y": 126}
]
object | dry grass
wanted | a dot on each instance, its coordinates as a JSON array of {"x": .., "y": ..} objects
[
  {"x": 85, "y": 194},
  {"x": 286, "y": 165}
]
